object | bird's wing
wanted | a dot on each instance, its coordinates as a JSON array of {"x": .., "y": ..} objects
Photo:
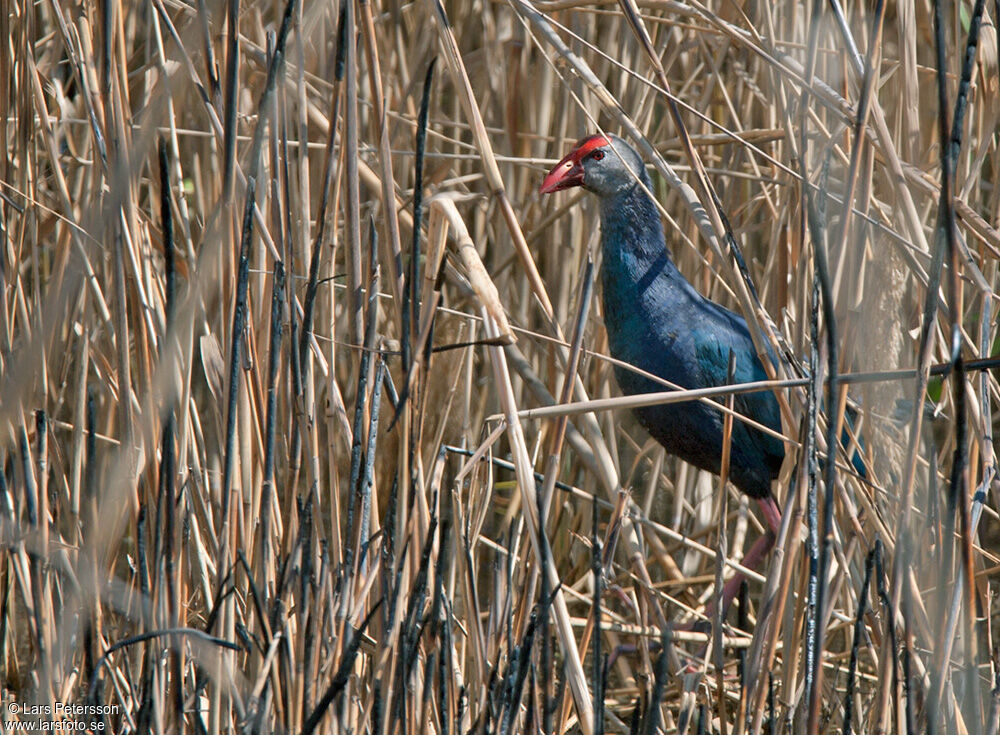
[
  {"x": 713, "y": 344},
  {"x": 719, "y": 332}
]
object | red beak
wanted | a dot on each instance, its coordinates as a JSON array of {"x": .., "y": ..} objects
[
  {"x": 569, "y": 171},
  {"x": 564, "y": 175}
]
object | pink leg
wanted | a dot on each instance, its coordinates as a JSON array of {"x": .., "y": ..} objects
[
  {"x": 769, "y": 509},
  {"x": 754, "y": 557},
  {"x": 751, "y": 561}
]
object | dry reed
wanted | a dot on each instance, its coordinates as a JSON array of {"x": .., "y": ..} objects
[{"x": 308, "y": 420}]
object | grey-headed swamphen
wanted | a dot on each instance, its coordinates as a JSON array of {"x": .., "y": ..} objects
[{"x": 657, "y": 322}]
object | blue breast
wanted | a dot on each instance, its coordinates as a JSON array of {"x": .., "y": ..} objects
[{"x": 659, "y": 323}]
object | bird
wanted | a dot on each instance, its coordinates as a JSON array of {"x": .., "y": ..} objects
[{"x": 658, "y": 322}]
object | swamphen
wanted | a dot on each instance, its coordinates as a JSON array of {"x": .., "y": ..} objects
[{"x": 658, "y": 322}]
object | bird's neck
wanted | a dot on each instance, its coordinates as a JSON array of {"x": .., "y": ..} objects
[
  {"x": 642, "y": 287},
  {"x": 636, "y": 258},
  {"x": 630, "y": 223}
]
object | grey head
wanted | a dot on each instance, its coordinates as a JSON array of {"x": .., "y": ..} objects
[{"x": 603, "y": 164}]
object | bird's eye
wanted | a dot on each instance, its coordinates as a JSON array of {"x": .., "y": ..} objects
[{"x": 597, "y": 155}]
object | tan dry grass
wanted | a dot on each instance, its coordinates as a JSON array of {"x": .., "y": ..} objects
[{"x": 215, "y": 528}]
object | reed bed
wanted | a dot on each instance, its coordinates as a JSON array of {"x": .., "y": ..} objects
[{"x": 308, "y": 423}]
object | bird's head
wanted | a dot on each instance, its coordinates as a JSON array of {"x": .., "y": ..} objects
[{"x": 602, "y": 164}]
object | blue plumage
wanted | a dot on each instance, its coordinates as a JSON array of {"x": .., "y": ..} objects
[{"x": 658, "y": 322}]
